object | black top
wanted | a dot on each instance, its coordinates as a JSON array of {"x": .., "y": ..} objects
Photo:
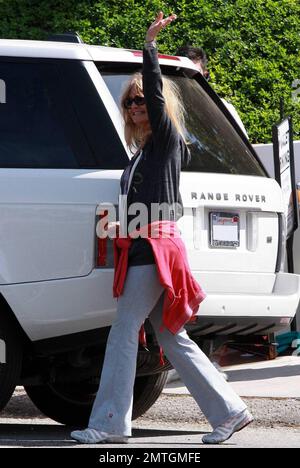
[{"x": 156, "y": 177}]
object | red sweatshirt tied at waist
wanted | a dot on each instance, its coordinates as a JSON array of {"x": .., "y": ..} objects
[{"x": 183, "y": 293}]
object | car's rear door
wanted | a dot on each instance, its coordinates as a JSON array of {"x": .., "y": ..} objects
[{"x": 55, "y": 136}]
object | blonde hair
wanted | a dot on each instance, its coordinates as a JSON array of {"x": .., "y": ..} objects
[{"x": 134, "y": 135}]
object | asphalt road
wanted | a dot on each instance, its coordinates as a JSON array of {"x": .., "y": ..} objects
[{"x": 174, "y": 421}]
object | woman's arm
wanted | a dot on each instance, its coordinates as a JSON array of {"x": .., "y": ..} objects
[
  {"x": 162, "y": 128},
  {"x": 158, "y": 24}
]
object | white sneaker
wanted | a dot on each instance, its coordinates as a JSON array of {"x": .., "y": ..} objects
[
  {"x": 92, "y": 436},
  {"x": 224, "y": 431}
]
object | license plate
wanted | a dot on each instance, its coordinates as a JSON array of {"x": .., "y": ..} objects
[{"x": 224, "y": 229}]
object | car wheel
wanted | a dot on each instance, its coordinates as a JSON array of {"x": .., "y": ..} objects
[
  {"x": 71, "y": 403},
  {"x": 10, "y": 360},
  {"x": 146, "y": 391}
]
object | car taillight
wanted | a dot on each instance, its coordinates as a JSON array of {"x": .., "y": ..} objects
[
  {"x": 104, "y": 256},
  {"x": 101, "y": 259},
  {"x": 281, "y": 256},
  {"x": 101, "y": 253}
]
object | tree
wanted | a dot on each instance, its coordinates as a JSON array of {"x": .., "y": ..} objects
[{"x": 253, "y": 45}]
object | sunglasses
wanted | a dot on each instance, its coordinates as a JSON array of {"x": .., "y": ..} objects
[{"x": 138, "y": 100}]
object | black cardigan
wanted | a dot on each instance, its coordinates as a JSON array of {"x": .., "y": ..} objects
[{"x": 156, "y": 177}]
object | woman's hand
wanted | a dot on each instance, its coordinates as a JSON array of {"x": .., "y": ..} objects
[
  {"x": 113, "y": 228},
  {"x": 159, "y": 23},
  {"x": 106, "y": 229}
]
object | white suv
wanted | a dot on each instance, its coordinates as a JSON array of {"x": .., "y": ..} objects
[{"x": 61, "y": 156}]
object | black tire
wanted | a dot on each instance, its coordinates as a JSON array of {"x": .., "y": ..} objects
[
  {"x": 11, "y": 354},
  {"x": 146, "y": 391},
  {"x": 71, "y": 404}
]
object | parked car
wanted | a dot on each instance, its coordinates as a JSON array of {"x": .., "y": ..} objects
[{"x": 62, "y": 152}]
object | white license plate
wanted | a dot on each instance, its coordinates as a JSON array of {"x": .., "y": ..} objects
[{"x": 224, "y": 229}]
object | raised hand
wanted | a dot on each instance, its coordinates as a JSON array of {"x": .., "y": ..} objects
[{"x": 159, "y": 23}]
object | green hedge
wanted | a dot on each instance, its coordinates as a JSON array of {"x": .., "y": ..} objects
[{"x": 253, "y": 45}]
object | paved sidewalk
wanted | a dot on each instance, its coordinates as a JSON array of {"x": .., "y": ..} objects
[{"x": 277, "y": 378}]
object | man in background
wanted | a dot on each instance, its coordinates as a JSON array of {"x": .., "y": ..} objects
[{"x": 199, "y": 57}]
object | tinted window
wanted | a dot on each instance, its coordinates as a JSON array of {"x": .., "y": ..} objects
[
  {"x": 31, "y": 130},
  {"x": 95, "y": 122},
  {"x": 214, "y": 144},
  {"x": 53, "y": 117}
]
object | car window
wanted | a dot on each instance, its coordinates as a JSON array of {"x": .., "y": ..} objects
[
  {"x": 95, "y": 122},
  {"x": 53, "y": 117},
  {"x": 31, "y": 130},
  {"x": 214, "y": 144}
]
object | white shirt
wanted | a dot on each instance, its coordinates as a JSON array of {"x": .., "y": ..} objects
[{"x": 123, "y": 197}]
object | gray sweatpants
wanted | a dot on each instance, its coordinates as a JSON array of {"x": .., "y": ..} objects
[{"x": 143, "y": 297}]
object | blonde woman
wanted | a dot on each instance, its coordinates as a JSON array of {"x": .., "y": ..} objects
[{"x": 152, "y": 276}]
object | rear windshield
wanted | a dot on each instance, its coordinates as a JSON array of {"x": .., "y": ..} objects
[{"x": 214, "y": 144}]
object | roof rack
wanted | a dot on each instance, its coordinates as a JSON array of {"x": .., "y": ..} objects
[{"x": 69, "y": 36}]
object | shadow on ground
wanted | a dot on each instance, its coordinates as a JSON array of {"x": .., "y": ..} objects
[
  {"x": 47, "y": 435},
  {"x": 241, "y": 375}
]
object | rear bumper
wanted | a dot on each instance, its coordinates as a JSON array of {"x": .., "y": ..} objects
[
  {"x": 244, "y": 314},
  {"x": 229, "y": 326}
]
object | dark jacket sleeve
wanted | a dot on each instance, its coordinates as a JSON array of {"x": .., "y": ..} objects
[{"x": 164, "y": 132}]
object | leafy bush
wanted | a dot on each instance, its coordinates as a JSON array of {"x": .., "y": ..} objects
[{"x": 253, "y": 45}]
